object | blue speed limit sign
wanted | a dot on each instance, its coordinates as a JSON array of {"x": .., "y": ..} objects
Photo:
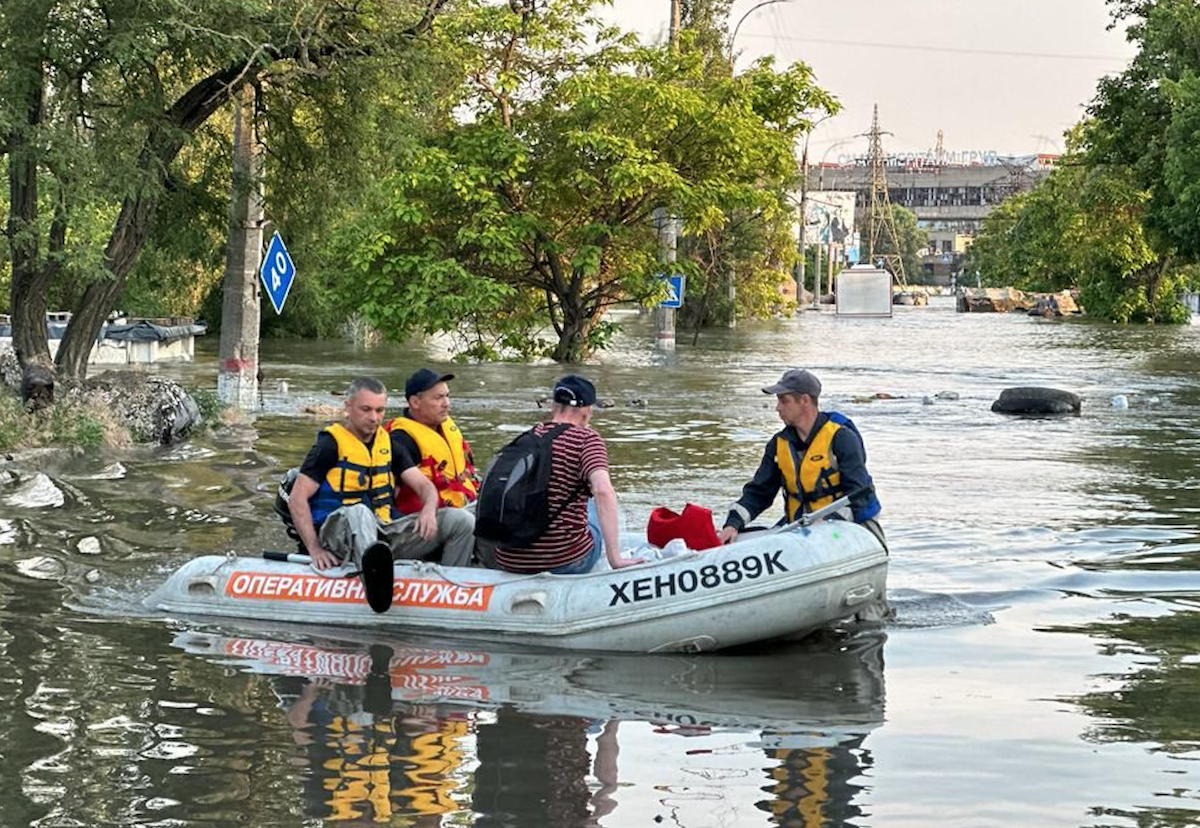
[{"x": 277, "y": 272}]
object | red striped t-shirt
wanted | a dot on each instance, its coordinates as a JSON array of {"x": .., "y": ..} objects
[{"x": 575, "y": 454}]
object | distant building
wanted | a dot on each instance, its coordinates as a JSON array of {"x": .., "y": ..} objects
[{"x": 949, "y": 200}]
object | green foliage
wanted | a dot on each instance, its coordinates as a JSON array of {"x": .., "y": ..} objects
[
  {"x": 1139, "y": 188},
  {"x": 542, "y": 200},
  {"x": 1141, "y": 119},
  {"x": 69, "y": 423},
  {"x": 119, "y": 157},
  {"x": 210, "y": 406},
  {"x": 1084, "y": 227}
]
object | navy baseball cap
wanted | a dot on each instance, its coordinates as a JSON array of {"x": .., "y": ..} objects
[
  {"x": 423, "y": 380},
  {"x": 574, "y": 390}
]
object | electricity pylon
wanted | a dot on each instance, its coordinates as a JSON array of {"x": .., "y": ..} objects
[{"x": 881, "y": 224}]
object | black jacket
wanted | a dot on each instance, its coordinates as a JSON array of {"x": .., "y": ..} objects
[{"x": 763, "y": 488}]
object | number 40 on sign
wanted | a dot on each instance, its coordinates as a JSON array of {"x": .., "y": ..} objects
[{"x": 277, "y": 272}]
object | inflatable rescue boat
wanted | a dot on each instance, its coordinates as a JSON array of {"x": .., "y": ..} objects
[{"x": 778, "y": 583}]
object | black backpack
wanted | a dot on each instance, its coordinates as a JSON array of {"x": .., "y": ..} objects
[{"x": 512, "y": 508}]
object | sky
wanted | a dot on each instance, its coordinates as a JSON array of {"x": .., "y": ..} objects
[{"x": 1002, "y": 76}]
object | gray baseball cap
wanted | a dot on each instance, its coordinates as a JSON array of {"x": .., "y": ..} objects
[{"x": 796, "y": 381}]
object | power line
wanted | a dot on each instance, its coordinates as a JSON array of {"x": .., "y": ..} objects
[{"x": 957, "y": 50}]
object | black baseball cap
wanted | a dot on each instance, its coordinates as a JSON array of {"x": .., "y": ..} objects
[
  {"x": 574, "y": 390},
  {"x": 423, "y": 380}
]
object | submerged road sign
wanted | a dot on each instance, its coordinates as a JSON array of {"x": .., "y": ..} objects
[
  {"x": 674, "y": 291},
  {"x": 277, "y": 272}
]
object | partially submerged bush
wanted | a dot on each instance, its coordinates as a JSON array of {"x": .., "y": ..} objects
[{"x": 69, "y": 423}]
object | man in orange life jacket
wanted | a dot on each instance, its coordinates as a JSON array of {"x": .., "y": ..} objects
[
  {"x": 817, "y": 458},
  {"x": 427, "y": 433}
]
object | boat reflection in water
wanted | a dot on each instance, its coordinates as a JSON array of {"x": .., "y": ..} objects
[{"x": 406, "y": 732}]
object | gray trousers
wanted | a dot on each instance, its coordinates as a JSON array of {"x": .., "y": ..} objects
[
  {"x": 455, "y": 535},
  {"x": 350, "y": 530}
]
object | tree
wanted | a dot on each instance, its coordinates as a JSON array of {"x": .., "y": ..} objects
[
  {"x": 97, "y": 101},
  {"x": 1083, "y": 227},
  {"x": 538, "y": 205},
  {"x": 1140, "y": 150}
]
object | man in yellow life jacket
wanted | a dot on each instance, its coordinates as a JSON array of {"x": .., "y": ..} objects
[
  {"x": 817, "y": 458},
  {"x": 341, "y": 503},
  {"x": 429, "y": 434}
]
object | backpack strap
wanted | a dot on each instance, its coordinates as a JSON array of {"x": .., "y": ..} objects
[{"x": 553, "y": 435}]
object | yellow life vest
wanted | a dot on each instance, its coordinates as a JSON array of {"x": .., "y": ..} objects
[
  {"x": 445, "y": 459},
  {"x": 817, "y": 481},
  {"x": 359, "y": 476}
]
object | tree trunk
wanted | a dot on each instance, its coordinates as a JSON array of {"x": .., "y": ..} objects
[
  {"x": 237, "y": 377},
  {"x": 572, "y": 333},
  {"x": 129, "y": 234},
  {"x": 30, "y": 275},
  {"x": 136, "y": 218}
]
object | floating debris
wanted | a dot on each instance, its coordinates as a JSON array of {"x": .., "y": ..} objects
[
  {"x": 113, "y": 471},
  {"x": 42, "y": 568},
  {"x": 88, "y": 546},
  {"x": 37, "y": 493},
  {"x": 1120, "y": 401}
]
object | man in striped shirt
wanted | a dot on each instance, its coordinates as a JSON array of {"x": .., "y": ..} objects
[{"x": 579, "y": 471}]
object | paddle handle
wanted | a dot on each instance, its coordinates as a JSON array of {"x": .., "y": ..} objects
[{"x": 287, "y": 557}]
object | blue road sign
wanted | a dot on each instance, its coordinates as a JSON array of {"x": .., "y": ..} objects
[
  {"x": 277, "y": 272},
  {"x": 674, "y": 291}
]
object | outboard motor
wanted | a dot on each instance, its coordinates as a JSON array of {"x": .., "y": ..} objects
[{"x": 282, "y": 497}]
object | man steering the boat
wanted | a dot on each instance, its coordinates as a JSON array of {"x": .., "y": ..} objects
[
  {"x": 341, "y": 503},
  {"x": 816, "y": 458}
]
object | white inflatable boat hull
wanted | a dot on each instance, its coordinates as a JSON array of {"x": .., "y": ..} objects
[{"x": 767, "y": 585}]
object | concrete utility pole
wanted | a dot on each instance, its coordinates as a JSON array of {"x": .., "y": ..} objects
[
  {"x": 817, "y": 274},
  {"x": 829, "y": 280},
  {"x": 676, "y": 21},
  {"x": 664, "y": 318},
  {"x": 800, "y": 242},
  {"x": 237, "y": 377}
]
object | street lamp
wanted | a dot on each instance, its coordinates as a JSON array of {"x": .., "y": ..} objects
[
  {"x": 801, "y": 243},
  {"x": 804, "y": 199},
  {"x": 732, "y": 287},
  {"x": 742, "y": 20}
]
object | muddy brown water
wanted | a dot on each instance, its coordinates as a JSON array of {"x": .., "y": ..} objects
[{"x": 1041, "y": 669}]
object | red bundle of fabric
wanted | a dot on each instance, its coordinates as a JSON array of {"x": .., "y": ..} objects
[{"x": 694, "y": 527}]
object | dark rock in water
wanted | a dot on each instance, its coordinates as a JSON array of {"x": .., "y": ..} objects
[
  {"x": 37, "y": 384},
  {"x": 154, "y": 408},
  {"x": 1035, "y": 400}
]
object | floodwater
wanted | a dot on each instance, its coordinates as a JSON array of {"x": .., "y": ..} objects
[{"x": 1043, "y": 668}]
